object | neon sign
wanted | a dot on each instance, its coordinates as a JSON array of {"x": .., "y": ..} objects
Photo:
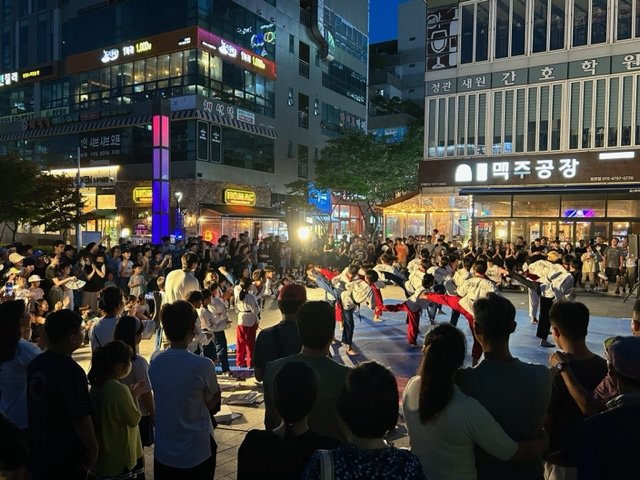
[{"x": 113, "y": 54}]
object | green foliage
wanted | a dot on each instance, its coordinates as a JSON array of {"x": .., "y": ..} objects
[
  {"x": 59, "y": 203},
  {"x": 18, "y": 199}
]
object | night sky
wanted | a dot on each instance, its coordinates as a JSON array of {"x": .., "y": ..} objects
[{"x": 383, "y": 23}]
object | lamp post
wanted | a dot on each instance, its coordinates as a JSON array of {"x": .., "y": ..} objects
[{"x": 178, "y": 232}]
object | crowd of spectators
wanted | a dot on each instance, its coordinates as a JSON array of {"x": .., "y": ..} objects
[{"x": 501, "y": 419}]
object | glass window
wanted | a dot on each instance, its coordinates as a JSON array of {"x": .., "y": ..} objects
[
  {"x": 540, "y": 14},
  {"x": 587, "y": 114},
  {"x": 638, "y": 110},
  {"x": 574, "y": 116},
  {"x": 442, "y": 123},
  {"x": 467, "y": 33},
  {"x": 556, "y": 25},
  {"x": 599, "y": 21},
  {"x": 471, "y": 126},
  {"x": 532, "y": 119},
  {"x": 502, "y": 29},
  {"x": 508, "y": 122},
  {"x": 620, "y": 205},
  {"x": 482, "y": 121},
  {"x": 536, "y": 205},
  {"x": 613, "y": 112},
  {"x": 492, "y": 206},
  {"x": 451, "y": 127},
  {"x": 580, "y": 22},
  {"x": 627, "y": 92},
  {"x": 543, "y": 137},
  {"x": 431, "y": 127},
  {"x": 520, "y": 119},
  {"x": 518, "y": 26},
  {"x": 581, "y": 206},
  {"x": 482, "y": 31},
  {"x": 556, "y": 117},
  {"x": 637, "y": 22},
  {"x": 625, "y": 12},
  {"x": 600, "y": 104},
  {"x": 497, "y": 122},
  {"x": 461, "y": 126}
]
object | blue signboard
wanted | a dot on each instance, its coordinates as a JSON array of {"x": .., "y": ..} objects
[
  {"x": 321, "y": 199},
  {"x": 390, "y": 135}
]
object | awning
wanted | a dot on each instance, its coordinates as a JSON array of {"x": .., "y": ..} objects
[
  {"x": 138, "y": 120},
  {"x": 223, "y": 120},
  {"x": 240, "y": 211},
  {"x": 541, "y": 190}
]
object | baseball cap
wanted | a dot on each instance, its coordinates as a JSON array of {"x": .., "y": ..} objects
[
  {"x": 624, "y": 355},
  {"x": 34, "y": 278},
  {"x": 16, "y": 258},
  {"x": 293, "y": 292}
]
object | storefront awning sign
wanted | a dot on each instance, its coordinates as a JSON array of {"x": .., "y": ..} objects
[
  {"x": 239, "y": 197},
  {"x": 142, "y": 195}
]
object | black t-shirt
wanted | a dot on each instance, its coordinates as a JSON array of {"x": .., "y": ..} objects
[
  {"x": 263, "y": 454},
  {"x": 97, "y": 282},
  {"x": 14, "y": 452},
  {"x": 568, "y": 419},
  {"x": 57, "y": 395}
]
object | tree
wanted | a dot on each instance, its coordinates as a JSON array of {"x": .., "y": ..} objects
[
  {"x": 59, "y": 204},
  {"x": 357, "y": 164},
  {"x": 18, "y": 198},
  {"x": 298, "y": 202}
]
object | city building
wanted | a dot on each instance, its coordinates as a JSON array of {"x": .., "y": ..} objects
[
  {"x": 250, "y": 90},
  {"x": 532, "y": 119}
]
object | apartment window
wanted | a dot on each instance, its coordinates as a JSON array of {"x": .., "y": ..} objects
[
  {"x": 303, "y": 161},
  {"x": 510, "y": 27},
  {"x": 412, "y": 39},
  {"x": 304, "y": 54},
  {"x": 628, "y": 25},
  {"x": 292, "y": 45},
  {"x": 303, "y": 110},
  {"x": 475, "y": 32}
]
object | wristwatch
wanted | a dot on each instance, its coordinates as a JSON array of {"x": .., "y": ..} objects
[{"x": 560, "y": 366}]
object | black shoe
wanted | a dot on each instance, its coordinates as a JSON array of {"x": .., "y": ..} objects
[{"x": 544, "y": 343}]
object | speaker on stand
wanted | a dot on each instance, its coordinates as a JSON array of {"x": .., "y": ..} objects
[{"x": 633, "y": 241}]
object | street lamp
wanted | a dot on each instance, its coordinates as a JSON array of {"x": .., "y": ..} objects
[{"x": 178, "y": 232}]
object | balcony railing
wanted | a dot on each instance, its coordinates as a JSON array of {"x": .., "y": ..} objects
[{"x": 303, "y": 68}]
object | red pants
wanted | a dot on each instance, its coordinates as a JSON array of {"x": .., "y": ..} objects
[
  {"x": 245, "y": 343},
  {"x": 453, "y": 302},
  {"x": 413, "y": 320},
  {"x": 378, "y": 301}
]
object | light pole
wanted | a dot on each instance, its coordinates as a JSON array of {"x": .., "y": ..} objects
[{"x": 179, "y": 232}]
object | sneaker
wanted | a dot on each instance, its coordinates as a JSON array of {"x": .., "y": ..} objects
[
  {"x": 544, "y": 343},
  {"x": 534, "y": 320}
]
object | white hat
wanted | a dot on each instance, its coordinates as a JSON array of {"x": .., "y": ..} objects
[
  {"x": 34, "y": 278},
  {"x": 16, "y": 258}
]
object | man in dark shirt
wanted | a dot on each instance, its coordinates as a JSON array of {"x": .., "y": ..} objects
[
  {"x": 564, "y": 421},
  {"x": 609, "y": 443},
  {"x": 62, "y": 439},
  {"x": 282, "y": 339}
]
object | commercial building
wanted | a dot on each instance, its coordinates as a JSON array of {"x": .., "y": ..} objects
[
  {"x": 533, "y": 118},
  {"x": 251, "y": 90}
]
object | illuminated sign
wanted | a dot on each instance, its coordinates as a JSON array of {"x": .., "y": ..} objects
[
  {"x": 92, "y": 176},
  {"x": 7, "y": 79},
  {"x": 113, "y": 54},
  {"x": 236, "y": 54},
  {"x": 142, "y": 195},
  {"x": 239, "y": 197},
  {"x": 32, "y": 74}
]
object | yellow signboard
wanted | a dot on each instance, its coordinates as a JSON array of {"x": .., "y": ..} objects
[
  {"x": 239, "y": 197},
  {"x": 142, "y": 195}
]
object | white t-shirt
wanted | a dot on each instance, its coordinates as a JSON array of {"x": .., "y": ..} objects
[
  {"x": 103, "y": 330},
  {"x": 445, "y": 445},
  {"x": 13, "y": 383},
  {"x": 182, "y": 382},
  {"x": 178, "y": 285}
]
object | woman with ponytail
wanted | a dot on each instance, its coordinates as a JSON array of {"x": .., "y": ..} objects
[
  {"x": 116, "y": 414},
  {"x": 284, "y": 451},
  {"x": 444, "y": 424},
  {"x": 248, "y": 317}
]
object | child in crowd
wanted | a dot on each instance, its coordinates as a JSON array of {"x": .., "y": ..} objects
[
  {"x": 134, "y": 309},
  {"x": 214, "y": 321},
  {"x": 21, "y": 289},
  {"x": 115, "y": 413},
  {"x": 34, "y": 287},
  {"x": 137, "y": 283},
  {"x": 125, "y": 270},
  {"x": 248, "y": 317}
]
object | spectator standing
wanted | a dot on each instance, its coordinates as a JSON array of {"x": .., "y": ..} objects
[
  {"x": 187, "y": 396},
  {"x": 367, "y": 456},
  {"x": 608, "y": 449},
  {"x": 116, "y": 414},
  {"x": 316, "y": 325},
  {"x": 95, "y": 274},
  {"x": 506, "y": 387},
  {"x": 16, "y": 353},
  {"x": 62, "y": 438},
  {"x": 179, "y": 283},
  {"x": 614, "y": 264},
  {"x": 125, "y": 270},
  {"x": 215, "y": 320},
  {"x": 137, "y": 282},
  {"x": 282, "y": 339},
  {"x": 284, "y": 451},
  {"x": 564, "y": 422},
  {"x": 248, "y": 319}
]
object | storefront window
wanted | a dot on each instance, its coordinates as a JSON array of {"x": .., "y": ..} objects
[
  {"x": 583, "y": 206},
  {"x": 536, "y": 205},
  {"x": 583, "y": 231},
  {"x": 415, "y": 225},
  {"x": 565, "y": 231},
  {"x": 621, "y": 206},
  {"x": 492, "y": 206},
  {"x": 620, "y": 229},
  {"x": 501, "y": 230}
]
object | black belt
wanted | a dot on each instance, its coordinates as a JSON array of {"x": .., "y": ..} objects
[{"x": 244, "y": 311}]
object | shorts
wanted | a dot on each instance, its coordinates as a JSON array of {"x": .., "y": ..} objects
[{"x": 611, "y": 273}]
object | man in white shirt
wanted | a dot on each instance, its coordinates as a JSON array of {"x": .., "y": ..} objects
[
  {"x": 187, "y": 396},
  {"x": 180, "y": 283}
]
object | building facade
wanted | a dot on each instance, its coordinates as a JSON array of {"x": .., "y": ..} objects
[
  {"x": 533, "y": 116},
  {"x": 254, "y": 89}
]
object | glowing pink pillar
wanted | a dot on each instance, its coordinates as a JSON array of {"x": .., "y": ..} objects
[{"x": 161, "y": 173}]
